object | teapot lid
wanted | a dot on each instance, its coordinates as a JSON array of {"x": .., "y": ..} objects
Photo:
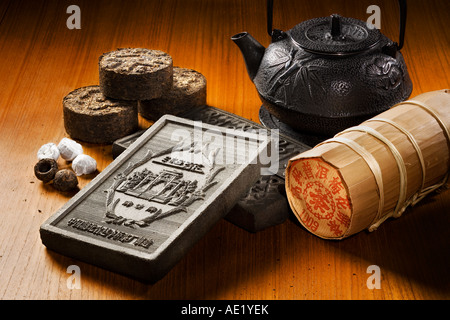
[{"x": 335, "y": 35}]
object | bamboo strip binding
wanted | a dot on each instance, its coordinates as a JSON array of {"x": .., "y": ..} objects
[{"x": 374, "y": 171}]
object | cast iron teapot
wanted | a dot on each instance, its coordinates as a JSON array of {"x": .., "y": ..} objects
[{"x": 327, "y": 74}]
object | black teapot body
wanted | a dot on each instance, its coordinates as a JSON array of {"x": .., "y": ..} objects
[{"x": 327, "y": 74}]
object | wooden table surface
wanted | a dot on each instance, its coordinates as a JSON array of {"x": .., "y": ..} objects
[{"x": 42, "y": 60}]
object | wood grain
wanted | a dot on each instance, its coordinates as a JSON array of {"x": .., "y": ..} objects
[{"x": 42, "y": 60}]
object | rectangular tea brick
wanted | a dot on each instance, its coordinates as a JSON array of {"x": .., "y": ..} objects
[{"x": 143, "y": 213}]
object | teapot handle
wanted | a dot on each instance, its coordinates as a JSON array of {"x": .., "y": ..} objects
[
  {"x": 269, "y": 17},
  {"x": 277, "y": 34},
  {"x": 402, "y": 7}
]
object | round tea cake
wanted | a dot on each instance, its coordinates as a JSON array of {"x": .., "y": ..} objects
[
  {"x": 91, "y": 117},
  {"x": 135, "y": 73},
  {"x": 189, "y": 90}
]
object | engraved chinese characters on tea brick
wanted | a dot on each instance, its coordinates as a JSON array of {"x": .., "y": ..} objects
[{"x": 160, "y": 185}]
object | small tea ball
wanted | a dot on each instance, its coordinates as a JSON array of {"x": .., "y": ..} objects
[
  {"x": 69, "y": 149},
  {"x": 45, "y": 169},
  {"x": 84, "y": 164},
  {"x": 65, "y": 180},
  {"x": 48, "y": 150}
]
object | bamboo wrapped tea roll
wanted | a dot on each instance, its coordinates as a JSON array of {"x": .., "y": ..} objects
[{"x": 374, "y": 171}]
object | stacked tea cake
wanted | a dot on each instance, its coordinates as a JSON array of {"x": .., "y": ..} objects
[{"x": 131, "y": 81}]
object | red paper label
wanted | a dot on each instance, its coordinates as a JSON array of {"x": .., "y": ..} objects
[{"x": 320, "y": 197}]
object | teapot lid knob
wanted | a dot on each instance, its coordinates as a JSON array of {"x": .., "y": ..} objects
[{"x": 335, "y": 26}]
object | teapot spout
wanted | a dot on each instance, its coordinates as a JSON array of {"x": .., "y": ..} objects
[{"x": 252, "y": 51}]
